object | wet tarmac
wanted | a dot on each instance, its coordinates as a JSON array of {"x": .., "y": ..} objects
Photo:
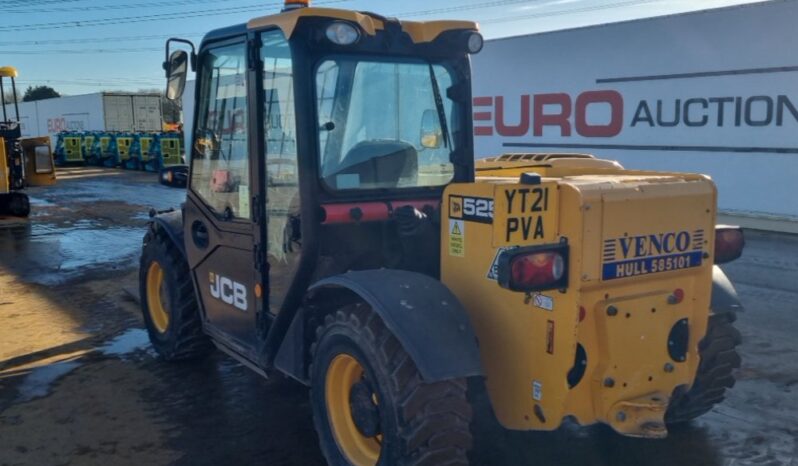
[{"x": 79, "y": 383}]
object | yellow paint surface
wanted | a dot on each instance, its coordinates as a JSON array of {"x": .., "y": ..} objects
[{"x": 528, "y": 342}]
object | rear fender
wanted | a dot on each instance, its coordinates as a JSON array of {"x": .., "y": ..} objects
[
  {"x": 171, "y": 223},
  {"x": 724, "y": 296},
  {"x": 421, "y": 312}
]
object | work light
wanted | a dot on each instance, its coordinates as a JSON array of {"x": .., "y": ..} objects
[
  {"x": 342, "y": 33},
  {"x": 475, "y": 42}
]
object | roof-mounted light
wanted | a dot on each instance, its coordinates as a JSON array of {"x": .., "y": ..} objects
[
  {"x": 342, "y": 33},
  {"x": 474, "y": 42},
  {"x": 294, "y": 4}
]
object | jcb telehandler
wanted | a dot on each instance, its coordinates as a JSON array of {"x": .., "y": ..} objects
[
  {"x": 337, "y": 229},
  {"x": 23, "y": 162}
]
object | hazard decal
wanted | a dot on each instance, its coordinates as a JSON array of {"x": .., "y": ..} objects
[{"x": 456, "y": 238}]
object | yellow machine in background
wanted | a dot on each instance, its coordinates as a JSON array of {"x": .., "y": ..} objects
[{"x": 23, "y": 162}]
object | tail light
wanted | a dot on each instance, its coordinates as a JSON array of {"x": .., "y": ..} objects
[
  {"x": 534, "y": 268},
  {"x": 729, "y": 243}
]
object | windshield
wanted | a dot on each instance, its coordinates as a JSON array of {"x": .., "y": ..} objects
[{"x": 380, "y": 127}]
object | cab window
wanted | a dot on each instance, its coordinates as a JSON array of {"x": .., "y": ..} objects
[
  {"x": 284, "y": 241},
  {"x": 220, "y": 161},
  {"x": 384, "y": 124}
]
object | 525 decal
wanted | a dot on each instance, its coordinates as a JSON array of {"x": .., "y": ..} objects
[{"x": 472, "y": 209}]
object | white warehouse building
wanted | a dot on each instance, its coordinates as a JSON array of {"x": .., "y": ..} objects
[{"x": 104, "y": 111}]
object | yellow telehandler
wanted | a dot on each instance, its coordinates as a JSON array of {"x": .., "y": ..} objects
[{"x": 337, "y": 229}]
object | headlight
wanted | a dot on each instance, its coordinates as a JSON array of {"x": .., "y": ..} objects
[
  {"x": 475, "y": 42},
  {"x": 342, "y": 33}
]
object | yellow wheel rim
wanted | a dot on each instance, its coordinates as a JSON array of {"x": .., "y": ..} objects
[
  {"x": 157, "y": 296},
  {"x": 344, "y": 372}
]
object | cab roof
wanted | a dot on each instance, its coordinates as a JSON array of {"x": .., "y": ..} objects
[{"x": 419, "y": 31}]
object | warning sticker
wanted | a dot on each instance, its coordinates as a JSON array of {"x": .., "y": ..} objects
[
  {"x": 456, "y": 238},
  {"x": 537, "y": 390},
  {"x": 493, "y": 271},
  {"x": 543, "y": 301}
]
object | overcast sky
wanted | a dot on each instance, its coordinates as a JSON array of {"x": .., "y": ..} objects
[{"x": 82, "y": 46}]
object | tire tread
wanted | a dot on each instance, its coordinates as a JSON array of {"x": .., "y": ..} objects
[
  {"x": 715, "y": 375},
  {"x": 187, "y": 340},
  {"x": 434, "y": 418}
]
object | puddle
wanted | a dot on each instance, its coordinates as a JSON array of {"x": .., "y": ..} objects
[
  {"x": 39, "y": 202},
  {"x": 51, "y": 255},
  {"x": 85, "y": 226},
  {"x": 132, "y": 340},
  {"x": 83, "y": 248},
  {"x": 154, "y": 195},
  {"x": 39, "y": 381},
  {"x": 143, "y": 216}
]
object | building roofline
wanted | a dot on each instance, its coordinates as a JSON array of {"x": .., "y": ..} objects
[{"x": 647, "y": 19}]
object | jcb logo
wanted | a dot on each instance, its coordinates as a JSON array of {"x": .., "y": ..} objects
[
  {"x": 456, "y": 207},
  {"x": 228, "y": 291}
]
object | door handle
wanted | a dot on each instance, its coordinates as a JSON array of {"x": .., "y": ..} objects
[{"x": 199, "y": 234}]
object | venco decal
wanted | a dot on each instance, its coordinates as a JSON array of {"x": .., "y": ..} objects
[{"x": 630, "y": 256}]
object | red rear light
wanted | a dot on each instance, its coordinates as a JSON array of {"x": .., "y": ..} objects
[
  {"x": 729, "y": 243},
  {"x": 535, "y": 268}
]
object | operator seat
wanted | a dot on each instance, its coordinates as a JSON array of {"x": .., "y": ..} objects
[{"x": 377, "y": 163}]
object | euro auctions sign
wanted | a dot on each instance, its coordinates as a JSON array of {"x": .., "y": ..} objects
[
  {"x": 603, "y": 113},
  {"x": 712, "y": 92}
]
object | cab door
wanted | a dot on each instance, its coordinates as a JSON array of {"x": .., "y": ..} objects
[
  {"x": 280, "y": 169},
  {"x": 221, "y": 233}
]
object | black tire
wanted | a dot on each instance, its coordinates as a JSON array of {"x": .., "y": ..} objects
[
  {"x": 420, "y": 423},
  {"x": 715, "y": 375},
  {"x": 15, "y": 204},
  {"x": 182, "y": 338}
]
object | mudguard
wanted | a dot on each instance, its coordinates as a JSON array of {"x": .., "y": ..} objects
[
  {"x": 421, "y": 312},
  {"x": 724, "y": 296},
  {"x": 172, "y": 223}
]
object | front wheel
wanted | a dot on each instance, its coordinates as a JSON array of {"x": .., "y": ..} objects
[
  {"x": 370, "y": 406},
  {"x": 168, "y": 304}
]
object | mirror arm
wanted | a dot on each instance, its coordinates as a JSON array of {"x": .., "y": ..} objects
[{"x": 193, "y": 55}]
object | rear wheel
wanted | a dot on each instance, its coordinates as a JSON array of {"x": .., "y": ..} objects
[
  {"x": 168, "y": 304},
  {"x": 715, "y": 375},
  {"x": 370, "y": 405}
]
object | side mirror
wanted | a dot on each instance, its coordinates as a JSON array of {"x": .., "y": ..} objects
[
  {"x": 176, "y": 71},
  {"x": 175, "y": 176},
  {"x": 431, "y": 132}
]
